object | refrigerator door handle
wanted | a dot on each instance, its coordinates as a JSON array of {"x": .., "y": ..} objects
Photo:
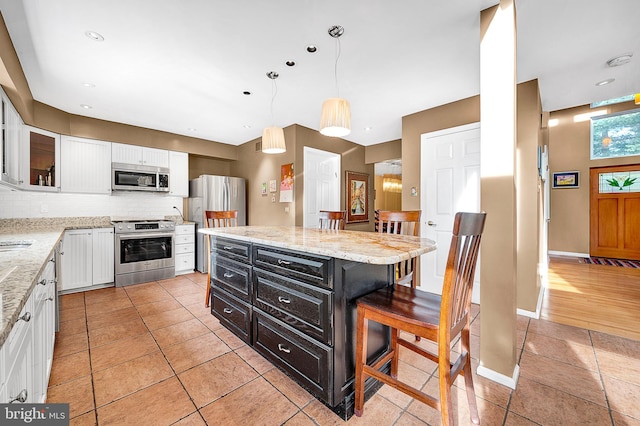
[{"x": 225, "y": 200}]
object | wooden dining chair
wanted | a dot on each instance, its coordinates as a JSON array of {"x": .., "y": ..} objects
[
  {"x": 437, "y": 318},
  {"x": 331, "y": 219},
  {"x": 402, "y": 223},
  {"x": 216, "y": 219}
]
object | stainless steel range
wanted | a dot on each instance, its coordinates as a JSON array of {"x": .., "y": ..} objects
[{"x": 144, "y": 251}]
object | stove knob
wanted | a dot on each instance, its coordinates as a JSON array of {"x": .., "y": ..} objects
[
  {"x": 128, "y": 226},
  {"x": 161, "y": 226}
]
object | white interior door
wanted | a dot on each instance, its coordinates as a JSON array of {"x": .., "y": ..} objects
[
  {"x": 450, "y": 167},
  {"x": 321, "y": 184}
]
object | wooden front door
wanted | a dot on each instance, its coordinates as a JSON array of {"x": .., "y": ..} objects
[{"x": 615, "y": 215}]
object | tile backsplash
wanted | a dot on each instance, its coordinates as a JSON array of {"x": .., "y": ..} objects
[{"x": 23, "y": 204}]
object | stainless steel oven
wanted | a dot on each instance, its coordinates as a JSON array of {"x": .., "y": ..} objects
[{"x": 144, "y": 251}]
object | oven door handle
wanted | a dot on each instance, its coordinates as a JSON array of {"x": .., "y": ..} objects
[{"x": 145, "y": 235}]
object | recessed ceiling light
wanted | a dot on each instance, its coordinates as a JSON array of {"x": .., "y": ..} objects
[
  {"x": 247, "y": 126},
  {"x": 368, "y": 129},
  {"x": 605, "y": 82},
  {"x": 94, "y": 35},
  {"x": 88, "y": 85},
  {"x": 191, "y": 129},
  {"x": 291, "y": 63},
  {"x": 85, "y": 106},
  {"x": 311, "y": 48},
  {"x": 619, "y": 60},
  {"x": 246, "y": 93}
]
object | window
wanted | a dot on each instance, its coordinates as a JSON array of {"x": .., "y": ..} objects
[{"x": 615, "y": 135}]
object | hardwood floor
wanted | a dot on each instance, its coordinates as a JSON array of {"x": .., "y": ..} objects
[{"x": 595, "y": 297}]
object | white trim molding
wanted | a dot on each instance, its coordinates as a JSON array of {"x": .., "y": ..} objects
[
  {"x": 510, "y": 382},
  {"x": 567, "y": 253}
]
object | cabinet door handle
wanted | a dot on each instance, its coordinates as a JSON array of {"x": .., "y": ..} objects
[
  {"x": 227, "y": 311},
  {"x": 22, "y": 397},
  {"x": 26, "y": 317},
  {"x": 228, "y": 275},
  {"x": 283, "y": 262},
  {"x": 283, "y": 300},
  {"x": 283, "y": 348},
  {"x": 49, "y": 299},
  {"x": 42, "y": 282}
]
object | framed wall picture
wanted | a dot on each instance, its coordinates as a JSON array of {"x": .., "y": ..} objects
[
  {"x": 273, "y": 185},
  {"x": 357, "y": 193},
  {"x": 566, "y": 179}
]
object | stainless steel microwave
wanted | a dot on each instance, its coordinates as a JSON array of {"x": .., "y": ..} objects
[{"x": 133, "y": 177}]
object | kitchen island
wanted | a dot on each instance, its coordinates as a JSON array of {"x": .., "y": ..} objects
[{"x": 290, "y": 293}]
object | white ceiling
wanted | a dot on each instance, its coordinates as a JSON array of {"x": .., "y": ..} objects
[{"x": 181, "y": 65}]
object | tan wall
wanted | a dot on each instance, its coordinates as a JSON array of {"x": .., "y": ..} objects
[
  {"x": 569, "y": 149},
  {"x": 386, "y": 200},
  {"x": 454, "y": 114},
  {"x": 529, "y": 136},
  {"x": 378, "y": 153},
  {"x": 199, "y": 165}
]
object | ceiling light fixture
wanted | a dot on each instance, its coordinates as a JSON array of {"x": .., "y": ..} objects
[
  {"x": 312, "y": 49},
  {"x": 605, "y": 82},
  {"x": 94, "y": 35},
  {"x": 619, "y": 60},
  {"x": 85, "y": 106},
  {"x": 335, "y": 120},
  {"x": 273, "y": 136}
]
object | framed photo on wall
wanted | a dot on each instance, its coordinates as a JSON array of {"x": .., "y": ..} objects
[
  {"x": 357, "y": 193},
  {"x": 566, "y": 179}
]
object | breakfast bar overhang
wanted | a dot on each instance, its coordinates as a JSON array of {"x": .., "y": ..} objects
[{"x": 290, "y": 292}]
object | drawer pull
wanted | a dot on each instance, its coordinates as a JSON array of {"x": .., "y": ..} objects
[
  {"x": 228, "y": 275},
  {"x": 26, "y": 317},
  {"x": 283, "y": 348},
  {"x": 227, "y": 311},
  {"x": 49, "y": 299},
  {"x": 283, "y": 300},
  {"x": 22, "y": 397},
  {"x": 227, "y": 248},
  {"x": 283, "y": 262}
]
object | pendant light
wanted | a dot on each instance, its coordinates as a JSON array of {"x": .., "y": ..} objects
[
  {"x": 336, "y": 112},
  {"x": 273, "y": 137}
]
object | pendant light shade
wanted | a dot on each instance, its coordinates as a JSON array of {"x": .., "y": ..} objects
[
  {"x": 273, "y": 136},
  {"x": 336, "y": 117},
  {"x": 273, "y": 140}
]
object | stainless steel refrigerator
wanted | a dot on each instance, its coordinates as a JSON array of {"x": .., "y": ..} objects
[{"x": 208, "y": 192}]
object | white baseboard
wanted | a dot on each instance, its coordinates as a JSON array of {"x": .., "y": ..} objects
[
  {"x": 510, "y": 382},
  {"x": 536, "y": 314},
  {"x": 567, "y": 253}
]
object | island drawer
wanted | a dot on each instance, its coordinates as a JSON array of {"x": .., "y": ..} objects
[
  {"x": 232, "y": 276},
  {"x": 232, "y": 249},
  {"x": 317, "y": 270},
  {"x": 232, "y": 313},
  {"x": 307, "y": 360},
  {"x": 303, "y": 306}
]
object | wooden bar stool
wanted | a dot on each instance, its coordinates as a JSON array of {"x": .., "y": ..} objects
[
  {"x": 331, "y": 219},
  {"x": 216, "y": 219},
  {"x": 401, "y": 223},
  {"x": 430, "y": 316}
]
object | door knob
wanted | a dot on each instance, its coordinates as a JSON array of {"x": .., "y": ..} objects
[{"x": 431, "y": 223}]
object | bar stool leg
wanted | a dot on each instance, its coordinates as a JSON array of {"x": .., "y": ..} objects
[{"x": 361, "y": 359}]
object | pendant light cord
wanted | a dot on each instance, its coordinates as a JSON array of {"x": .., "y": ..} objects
[
  {"x": 274, "y": 92},
  {"x": 335, "y": 69}
]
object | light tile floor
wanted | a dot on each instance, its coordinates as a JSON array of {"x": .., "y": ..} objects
[{"x": 152, "y": 354}]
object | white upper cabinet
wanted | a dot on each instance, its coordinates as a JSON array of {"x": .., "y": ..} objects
[
  {"x": 179, "y": 174},
  {"x": 85, "y": 166},
  {"x": 41, "y": 159},
  {"x": 133, "y": 154},
  {"x": 10, "y": 143}
]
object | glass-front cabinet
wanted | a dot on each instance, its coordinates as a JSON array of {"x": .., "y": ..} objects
[{"x": 41, "y": 159}]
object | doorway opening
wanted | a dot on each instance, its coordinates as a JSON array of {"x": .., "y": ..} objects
[{"x": 321, "y": 184}]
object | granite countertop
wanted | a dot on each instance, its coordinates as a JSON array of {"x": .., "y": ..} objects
[
  {"x": 22, "y": 267},
  {"x": 358, "y": 246}
]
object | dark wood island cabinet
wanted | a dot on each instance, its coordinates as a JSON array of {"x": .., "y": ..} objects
[{"x": 290, "y": 293}]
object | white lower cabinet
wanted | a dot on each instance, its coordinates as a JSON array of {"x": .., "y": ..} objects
[
  {"x": 27, "y": 354},
  {"x": 185, "y": 248},
  {"x": 87, "y": 258}
]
